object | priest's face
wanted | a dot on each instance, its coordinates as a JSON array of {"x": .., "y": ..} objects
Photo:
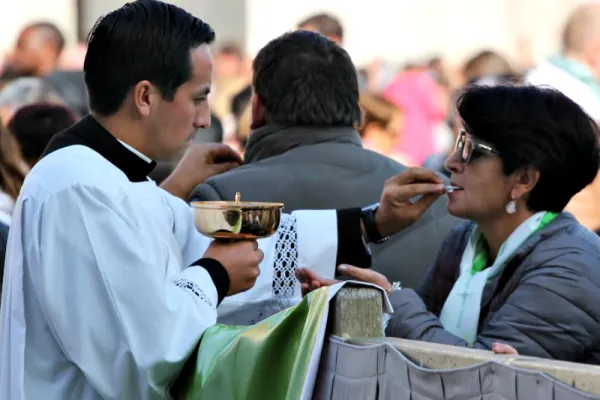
[{"x": 174, "y": 124}]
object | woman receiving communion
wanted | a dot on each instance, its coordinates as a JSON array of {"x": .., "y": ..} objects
[{"x": 519, "y": 271}]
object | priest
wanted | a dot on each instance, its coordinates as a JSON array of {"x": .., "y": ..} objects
[{"x": 107, "y": 286}]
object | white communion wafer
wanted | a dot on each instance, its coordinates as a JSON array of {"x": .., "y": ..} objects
[{"x": 451, "y": 188}]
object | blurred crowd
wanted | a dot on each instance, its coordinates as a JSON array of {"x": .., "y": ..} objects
[{"x": 409, "y": 113}]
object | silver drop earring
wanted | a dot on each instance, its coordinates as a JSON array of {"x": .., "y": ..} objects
[{"x": 511, "y": 207}]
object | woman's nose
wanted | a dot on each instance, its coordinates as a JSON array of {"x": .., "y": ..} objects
[{"x": 453, "y": 164}]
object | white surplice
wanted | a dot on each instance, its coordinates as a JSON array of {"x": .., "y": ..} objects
[{"x": 98, "y": 300}]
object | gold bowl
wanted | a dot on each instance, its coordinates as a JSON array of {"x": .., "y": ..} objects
[{"x": 236, "y": 220}]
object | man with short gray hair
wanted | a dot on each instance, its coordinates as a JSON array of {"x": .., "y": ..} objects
[
  {"x": 576, "y": 71},
  {"x": 24, "y": 91}
]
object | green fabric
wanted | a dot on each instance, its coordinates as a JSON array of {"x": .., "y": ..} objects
[
  {"x": 482, "y": 258},
  {"x": 269, "y": 360}
]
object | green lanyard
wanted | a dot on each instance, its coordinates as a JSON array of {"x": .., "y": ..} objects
[{"x": 482, "y": 258}]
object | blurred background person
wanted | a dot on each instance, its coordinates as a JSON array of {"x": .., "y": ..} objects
[
  {"x": 24, "y": 91},
  {"x": 331, "y": 27},
  {"x": 40, "y": 52},
  {"x": 575, "y": 72},
  {"x": 72, "y": 58},
  {"x": 12, "y": 173},
  {"x": 381, "y": 126},
  {"x": 325, "y": 24},
  {"x": 376, "y": 75},
  {"x": 488, "y": 67},
  {"x": 34, "y": 125},
  {"x": 70, "y": 86},
  {"x": 241, "y": 111},
  {"x": 576, "y": 69},
  {"x": 424, "y": 103},
  {"x": 4, "y": 228},
  {"x": 231, "y": 76},
  {"x": 37, "y": 50},
  {"x": 438, "y": 70}
]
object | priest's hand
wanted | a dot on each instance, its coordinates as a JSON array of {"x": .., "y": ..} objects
[
  {"x": 200, "y": 162},
  {"x": 241, "y": 259},
  {"x": 397, "y": 207}
]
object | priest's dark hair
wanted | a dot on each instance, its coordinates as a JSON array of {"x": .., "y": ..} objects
[
  {"x": 303, "y": 78},
  {"x": 536, "y": 127},
  {"x": 143, "y": 40}
]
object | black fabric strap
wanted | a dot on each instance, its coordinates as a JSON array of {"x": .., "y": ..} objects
[
  {"x": 352, "y": 248},
  {"x": 217, "y": 273}
]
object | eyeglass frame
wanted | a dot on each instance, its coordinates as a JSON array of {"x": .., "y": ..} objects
[{"x": 477, "y": 146}]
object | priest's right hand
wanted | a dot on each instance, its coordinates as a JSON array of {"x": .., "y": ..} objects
[
  {"x": 241, "y": 260},
  {"x": 200, "y": 162},
  {"x": 397, "y": 210}
]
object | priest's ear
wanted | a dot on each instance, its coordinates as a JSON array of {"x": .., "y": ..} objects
[
  {"x": 145, "y": 97},
  {"x": 259, "y": 113}
]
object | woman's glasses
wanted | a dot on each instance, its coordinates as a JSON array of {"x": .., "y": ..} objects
[{"x": 467, "y": 147}]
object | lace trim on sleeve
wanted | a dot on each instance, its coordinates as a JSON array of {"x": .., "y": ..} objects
[{"x": 195, "y": 289}]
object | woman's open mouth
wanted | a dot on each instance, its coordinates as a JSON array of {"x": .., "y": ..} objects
[{"x": 452, "y": 188}]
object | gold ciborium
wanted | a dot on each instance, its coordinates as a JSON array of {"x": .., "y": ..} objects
[{"x": 236, "y": 220}]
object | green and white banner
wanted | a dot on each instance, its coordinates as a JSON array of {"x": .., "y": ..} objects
[{"x": 277, "y": 358}]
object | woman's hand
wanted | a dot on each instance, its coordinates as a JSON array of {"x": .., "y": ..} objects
[
  {"x": 365, "y": 275},
  {"x": 501, "y": 348},
  {"x": 309, "y": 280}
]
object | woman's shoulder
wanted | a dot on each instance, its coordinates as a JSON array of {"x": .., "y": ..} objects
[
  {"x": 571, "y": 235},
  {"x": 568, "y": 246}
]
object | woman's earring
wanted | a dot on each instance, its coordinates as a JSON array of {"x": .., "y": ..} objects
[{"x": 511, "y": 207}]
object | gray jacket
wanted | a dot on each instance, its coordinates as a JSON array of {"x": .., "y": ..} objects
[
  {"x": 544, "y": 304},
  {"x": 327, "y": 168}
]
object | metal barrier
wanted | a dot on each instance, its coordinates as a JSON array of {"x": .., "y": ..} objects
[{"x": 428, "y": 370}]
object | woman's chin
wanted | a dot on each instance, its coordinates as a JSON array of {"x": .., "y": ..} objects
[{"x": 455, "y": 209}]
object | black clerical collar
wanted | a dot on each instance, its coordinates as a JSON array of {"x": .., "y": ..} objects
[{"x": 88, "y": 132}]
